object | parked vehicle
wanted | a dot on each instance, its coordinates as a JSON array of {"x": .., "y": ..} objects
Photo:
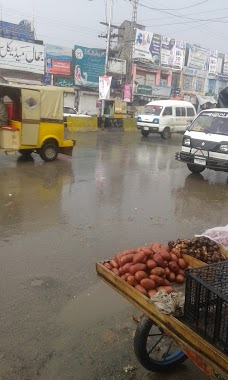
[
  {"x": 165, "y": 117},
  {"x": 69, "y": 111},
  {"x": 35, "y": 121},
  {"x": 205, "y": 143}
]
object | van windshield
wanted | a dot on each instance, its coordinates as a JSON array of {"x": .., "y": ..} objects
[
  {"x": 211, "y": 122},
  {"x": 151, "y": 110}
]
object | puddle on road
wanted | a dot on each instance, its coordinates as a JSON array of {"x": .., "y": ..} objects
[{"x": 91, "y": 306}]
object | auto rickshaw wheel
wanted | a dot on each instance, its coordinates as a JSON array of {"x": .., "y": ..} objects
[
  {"x": 26, "y": 152},
  {"x": 49, "y": 151}
]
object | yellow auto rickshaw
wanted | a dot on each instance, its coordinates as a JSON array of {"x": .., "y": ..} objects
[{"x": 35, "y": 121}]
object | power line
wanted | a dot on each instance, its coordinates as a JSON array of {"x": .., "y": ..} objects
[
  {"x": 179, "y": 15},
  {"x": 189, "y": 6},
  {"x": 196, "y": 13}
]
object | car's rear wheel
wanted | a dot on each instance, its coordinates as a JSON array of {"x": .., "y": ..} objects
[{"x": 195, "y": 168}]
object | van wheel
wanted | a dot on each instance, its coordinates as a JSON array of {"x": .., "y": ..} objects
[
  {"x": 166, "y": 134},
  {"x": 145, "y": 133},
  {"x": 49, "y": 151},
  {"x": 195, "y": 168}
]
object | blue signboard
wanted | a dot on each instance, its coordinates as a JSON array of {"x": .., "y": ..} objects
[
  {"x": 89, "y": 64},
  {"x": 22, "y": 31},
  {"x": 47, "y": 79}
]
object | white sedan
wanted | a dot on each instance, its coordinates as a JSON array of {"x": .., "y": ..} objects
[{"x": 69, "y": 111}]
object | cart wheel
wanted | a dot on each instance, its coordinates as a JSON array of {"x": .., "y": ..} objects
[{"x": 156, "y": 351}]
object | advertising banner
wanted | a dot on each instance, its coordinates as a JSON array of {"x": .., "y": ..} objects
[
  {"x": 145, "y": 90},
  {"x": 142, "y": 45},
  {"x": 155, "y": 49},
  {"x": 88, "y": 66},
  {"x": 159, "y": 49},
  {"x": 167, "y": 51},
  {"x": 64, "y": 82},
  {"x": 198, "y": 57},
  {"x": 213, "y": 62},
  {"x": 104, "y": 87},
  {"x": 58, "y": 67},
  {"x": 179, "y": 54},
  {"x": 225, "y": 66},
  {"x": 22, "y": 31},
  {"x": 58, "y": 60},
  {"x": 21, "y": 56},
  {"x": 127, "y": 92},
  {"x": 147, "y": 47}
]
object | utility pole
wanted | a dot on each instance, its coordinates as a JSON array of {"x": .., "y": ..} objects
[
  {"x": 133, "y": 27},
  {"x": 107, "y": 48}
]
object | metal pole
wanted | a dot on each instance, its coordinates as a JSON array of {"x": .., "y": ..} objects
[
  {"x": 133, "y": 27},
  {"x": 107, "y": 48}
]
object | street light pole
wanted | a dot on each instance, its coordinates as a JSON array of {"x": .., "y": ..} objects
[{"x": 107, "y": 48}]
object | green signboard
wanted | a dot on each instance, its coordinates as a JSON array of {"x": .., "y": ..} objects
[
  {"x": 89, "y": 64},
  {"x": 64, "y": 82},
  {"x": 144, "y": 90}
]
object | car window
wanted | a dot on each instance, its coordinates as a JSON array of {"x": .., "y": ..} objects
[
  {"x": 69, "y": 110},
  {"x": 180, "y": 111},
  {"x": 168, "y": 111},
  {"x": 211, "y": 122},
  {"x": 190, "y": 112},
  {"x": 151, "y": 110}
]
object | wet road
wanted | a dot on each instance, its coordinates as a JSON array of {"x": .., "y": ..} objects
[{"x": 57, "y": 319}]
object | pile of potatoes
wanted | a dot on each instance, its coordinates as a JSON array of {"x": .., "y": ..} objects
[{"x": 150, "y": 269}]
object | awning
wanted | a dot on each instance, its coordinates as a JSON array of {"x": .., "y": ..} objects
[
  {"x": 206, "y": 99},
  {"x": 23, "y": 81}
]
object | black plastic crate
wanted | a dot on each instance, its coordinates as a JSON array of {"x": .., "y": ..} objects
[{"x": 206, "y": 303}]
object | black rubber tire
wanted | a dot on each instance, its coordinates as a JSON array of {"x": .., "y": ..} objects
[
  {"x": 195, "y": 168},
  {"x": 26, "y": 152},
  {"x": 145, "y": 133},
  {"x": 166, "y": 133},
  {"x": 49, "y": 151},
  {"x": 140, "y": 349}
]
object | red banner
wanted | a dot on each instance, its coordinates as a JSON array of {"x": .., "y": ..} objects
[{"x": 58, "y": 67}]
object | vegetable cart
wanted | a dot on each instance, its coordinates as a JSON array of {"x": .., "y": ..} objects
[{"x": 162, "y": 341}]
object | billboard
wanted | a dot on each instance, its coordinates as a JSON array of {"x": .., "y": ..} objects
[
  {"x": 198, "y": 57},
  {"x": 159, "y": 50},
  {"x": 22, "y": 31},
  {"x": 167, "y": 51},
  {"x": 89, "y": 65},
  {"x": 21, "y": 56},
  {"x": 147, "y": 46},
  {"x": 179, "y": 54},
  {"x": 58, "y": 60},
  {"x": 213, "y": 59}
]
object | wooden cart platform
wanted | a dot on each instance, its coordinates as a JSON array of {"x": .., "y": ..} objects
[{"x": 204, "y": 354}]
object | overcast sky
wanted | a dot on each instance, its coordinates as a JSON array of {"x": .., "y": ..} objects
[{"x": 73, "y": 22}]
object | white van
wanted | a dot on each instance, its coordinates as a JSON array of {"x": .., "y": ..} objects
[
  {"x": 205, "y": 143},
  {"x": 165, "y": 117}
]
